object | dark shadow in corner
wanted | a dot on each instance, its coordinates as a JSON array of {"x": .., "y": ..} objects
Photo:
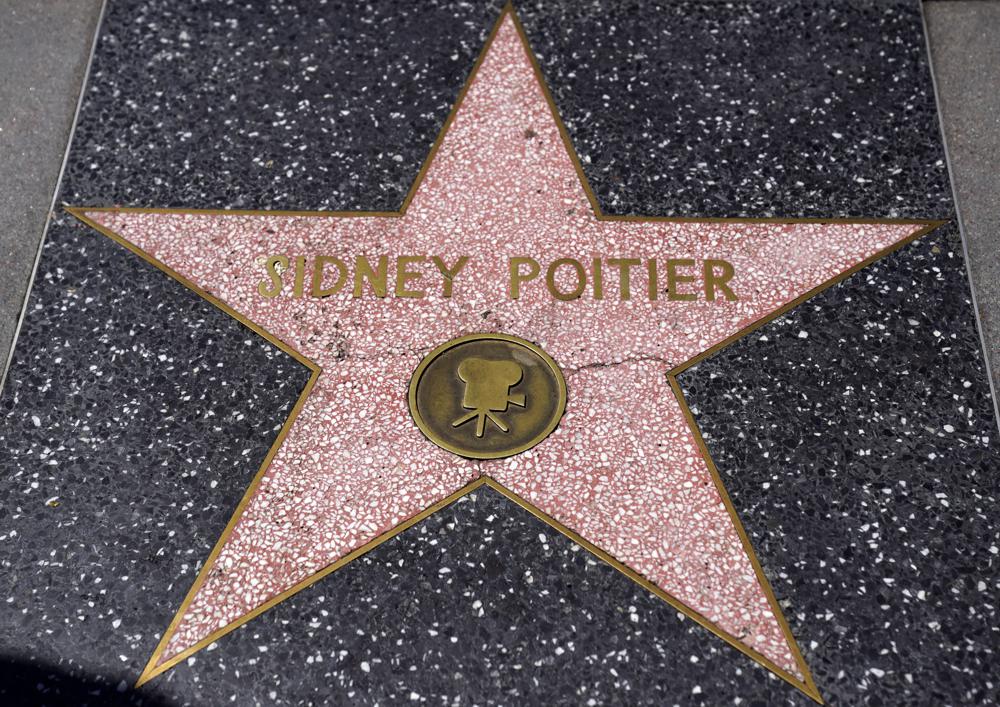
[{"x": 30, "y": 684}]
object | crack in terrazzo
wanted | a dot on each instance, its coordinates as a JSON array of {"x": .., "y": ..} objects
[{"x": 569, "y": 372}]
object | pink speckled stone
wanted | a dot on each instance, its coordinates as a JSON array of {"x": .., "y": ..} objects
[{"x": 623, "y": 468}]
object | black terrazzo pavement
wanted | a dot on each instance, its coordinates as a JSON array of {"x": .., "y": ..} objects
[
  {"x": 857, "y": 439},
  {"x": 479, "y": 605},
  {"x": 681, "y": 108},
  {"x": 278, "y": 105},
  {"x": 134, "y": 417},
  {"x": 804, "y": 108}
]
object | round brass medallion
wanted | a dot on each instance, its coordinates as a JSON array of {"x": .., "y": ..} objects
[{"x": 486, "y": 396}]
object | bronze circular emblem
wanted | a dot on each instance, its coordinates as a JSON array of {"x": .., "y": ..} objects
[{"x": 486, "y": 396}]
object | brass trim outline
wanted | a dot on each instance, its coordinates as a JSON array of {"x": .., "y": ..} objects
[{"x": 807, "y": 686}]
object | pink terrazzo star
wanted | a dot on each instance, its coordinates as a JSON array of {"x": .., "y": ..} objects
[{"x": 624, "y": 470}]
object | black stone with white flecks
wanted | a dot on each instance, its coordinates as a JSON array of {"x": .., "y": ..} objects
[
  {"x": 480, "y": 604},
  {"x": 279, "y": 105},
  {"x": 858, "y": 446},
  {"x": 129, "y": 429},
  {"x": 809, "y": 109},
  {"x": 870, "y": 493}
]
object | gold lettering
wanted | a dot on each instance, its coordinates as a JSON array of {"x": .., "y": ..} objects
[
  {"x": 550, "y": 279},
  {"x": 300, "y": 275},
  {"x": 516, "y": 277},
  {"x": 451, "y": 273},
  {"x": 317, "y": 279},
  {"x": 376, "y": 278},
  {"x": 404, "y": 276},
  {"x": 674, "y": 279},
  {"x": 718, "y": 281},
  {"x": 716, "y": 275},
  {"x": 624, "y": 265},
  {"x": 598, "y": 280},
  {"x": 271, "y": 266}
]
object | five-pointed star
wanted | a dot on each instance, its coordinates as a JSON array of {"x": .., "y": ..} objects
[{"x": 625, "y": 474}]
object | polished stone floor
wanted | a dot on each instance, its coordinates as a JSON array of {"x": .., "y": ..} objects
[{"x": 854, "y": 436}]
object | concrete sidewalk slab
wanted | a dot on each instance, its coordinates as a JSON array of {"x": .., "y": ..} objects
[
  {"x": 965, "y": 52},
  {"x": 44, "y": 48}
]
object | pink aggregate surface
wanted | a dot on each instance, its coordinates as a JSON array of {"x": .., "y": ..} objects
[{"x": 623, "y": 469}]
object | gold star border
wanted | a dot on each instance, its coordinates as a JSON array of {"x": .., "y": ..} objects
[{"x": 807, "y": 686}]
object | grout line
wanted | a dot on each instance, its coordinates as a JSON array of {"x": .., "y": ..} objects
[
  {"x": 958, "y": 218},
  {"x": 55, "y": 192}
]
